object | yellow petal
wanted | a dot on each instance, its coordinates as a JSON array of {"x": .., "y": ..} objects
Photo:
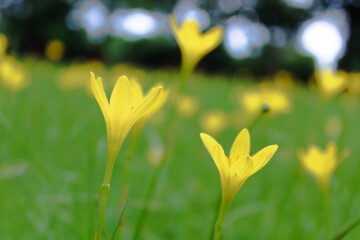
[
  {"x": 138, "y": 92},
  {"x": 216, "y": 152},
  {"x": 212, "y": 39},
  {"x": 241, "y": 145},
  {"x": 262, "y": 157},
  {"x": 120, "y": 99},
  {"x": 100, "y": 96},
  {"x": 143, "y": 107},
  {"x": 242, "y": 168},
  {"x": 239, "y": 173}
]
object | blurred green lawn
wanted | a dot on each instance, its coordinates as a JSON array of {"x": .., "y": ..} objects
[{"x": 53, "y": 152}]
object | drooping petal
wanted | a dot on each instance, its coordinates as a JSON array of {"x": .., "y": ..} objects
[
  {"x": 145, "y": 105},
  {"x": 120, "y": 100},
  {"x": 241, "y": 145},
  {"x": 262, "y": 157},
  {"x": 217, "y": 153},
  {"x": 100, "y": 96}
]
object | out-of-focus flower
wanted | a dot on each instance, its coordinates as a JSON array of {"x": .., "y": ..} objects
[
  {"x": 353, "y": 83},
  {"x": 239, "y": 166},
  {"x": 12, "y": 74},
  {"x": 193, "y": 44},
  {"x": 3, "y": 45},
  {"x": 187, "y": 105},
  {"x": 213, "y": 122},
  {"x": 126, "y": 107},
  {"x": 330, "y": 83},
  {"x": 276, "y": 99},
  {"x": 321, "y": 164},
  {"x": 73, "y": 77},
  {"x": 54, "y": 50}
]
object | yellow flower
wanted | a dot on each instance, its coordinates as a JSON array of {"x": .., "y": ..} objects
[
  {"x": 321, "y": 164},
  {"x": 187, "y": 105},
  {"x": 353, "y": 83},
  {"x": 239, "y": 166},
  {"x": 12, "y": 75},
  {"x": 126, "y": 107},
  {"x": 193, "y": 44},
  {"x": 54, "y": 50},
  {"x": 213, "y": 122},
  {"x": 277, "y": 101},
  {"x": 330, "y": 83}
]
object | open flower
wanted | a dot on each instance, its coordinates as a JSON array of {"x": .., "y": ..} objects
[
  {"x": 126, "y": 107},
  {"x": 322, "y": 164},
  {"x": 239, "y": 166},
  {"x": 193, "y": 44}
]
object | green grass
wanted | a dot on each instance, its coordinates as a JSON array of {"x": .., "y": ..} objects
[{"x": 53, "y": 152}]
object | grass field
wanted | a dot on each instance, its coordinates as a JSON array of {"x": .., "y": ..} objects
[{"x": 53, "y": 153}]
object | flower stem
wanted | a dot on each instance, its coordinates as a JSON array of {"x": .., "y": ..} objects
[
  {"x": 220, "y": 221},
  {"x": 104, "y": 192},
  {"x": 264, "y": 110}
]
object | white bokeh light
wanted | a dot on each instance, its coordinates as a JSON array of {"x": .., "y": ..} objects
[
  {"x": 324, "y": 37},
  {"x": 137, "y": 23},
  {"x": 242, "y": 36},
  {"x": 91, "y": 16},
  {"x": 299, "y": 3},
  {"x": 188, "y": 10}
]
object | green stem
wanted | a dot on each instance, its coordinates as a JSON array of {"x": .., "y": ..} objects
[
  {"x": 264, "y": 110},
  {"x": 104, "y": 191},
  {"x": 220, "y": 221},
  {"x": 148, "y": 197}
]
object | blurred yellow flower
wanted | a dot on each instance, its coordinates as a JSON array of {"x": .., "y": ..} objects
[
  {"x": 193, "y": 44},
  {"x": 321, "y": 164},
  {"x": 73, "y": 77},
  {"x": 239, "y": 166},
  {"x": 54, "y": 50},
  {"x": 3, "y": 44},
  {"x": 353, "y": 83},
  {"x": 187, "y": 105},
  {"x": 253, "y": 101},
  {"x": 333, "y": 126},
  {"x": 330, "y": 83},
  {"x": 126, "y": 107},
  {"x": 12, "y": 75},
  {"x": 213, "y": 122}
]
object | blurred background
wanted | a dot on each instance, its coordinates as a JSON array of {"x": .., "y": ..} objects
[{"x": 261, "y": 37}]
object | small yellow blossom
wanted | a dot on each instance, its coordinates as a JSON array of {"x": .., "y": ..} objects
[
  {"x": 239, "y": 166},
  {"x": 321, "y": 164},
  {"x": 54, "y": 50},
  {"x": 253, "y": 101},
  {"x": 330, "y": 83},
  {"x": 12, "y": 75},
  {"x": 194, "y": 45},
  {"x": 187, "y": 105},
  {"x": 213, "y": 122},
  {"x": 126, "y": 107}
]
